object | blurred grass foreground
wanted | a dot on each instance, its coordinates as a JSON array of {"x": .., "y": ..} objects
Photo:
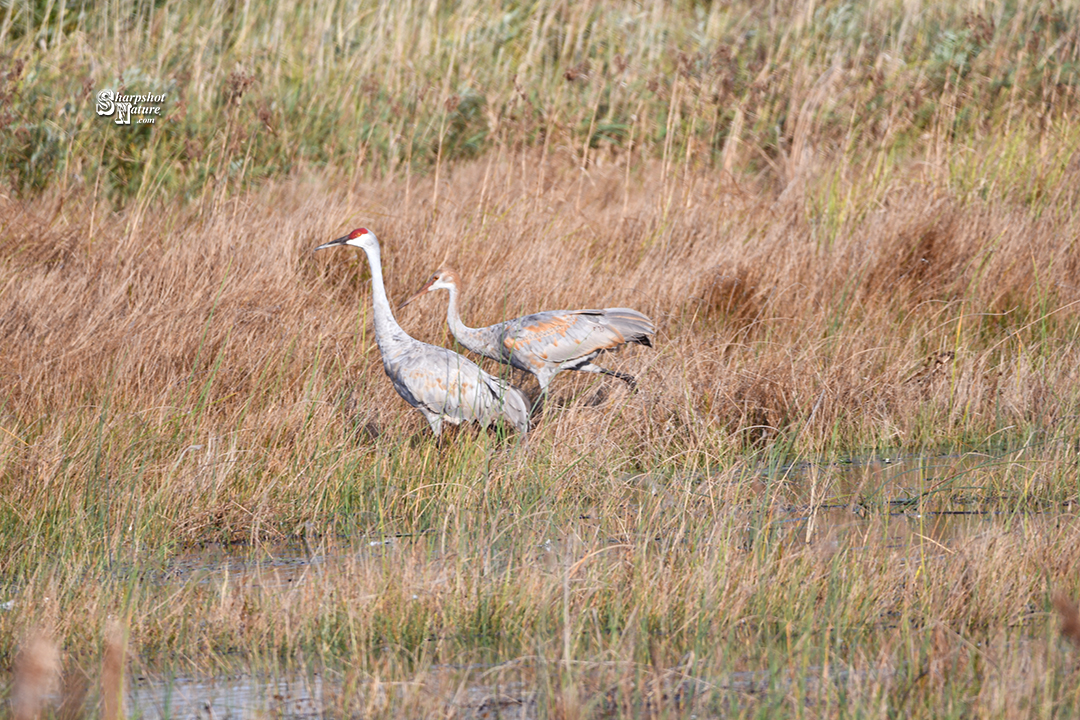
[{"x": 765, "y": 92}]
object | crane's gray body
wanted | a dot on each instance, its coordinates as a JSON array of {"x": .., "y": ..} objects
[
  {"x": 444, "y": 385},
  {"x": 440, "y": 383},
  {"x": 547, "y": 343}
]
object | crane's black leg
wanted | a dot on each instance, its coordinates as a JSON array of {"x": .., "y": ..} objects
[
  {"x": 538, "y": 404},
  {"x": 628, "y": 379}
]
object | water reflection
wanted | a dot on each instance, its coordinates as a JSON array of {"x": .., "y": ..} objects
[{"x": 240, "y": 696}]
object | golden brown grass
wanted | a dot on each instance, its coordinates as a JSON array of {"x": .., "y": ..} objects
[
  {"x": 179, "y": 374},
  {"x": 927, "y": 317},
  {"x": 1070, "y": 618}
]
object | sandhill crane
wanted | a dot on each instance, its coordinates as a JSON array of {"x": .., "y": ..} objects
[
  {"x": 546, "y": 343},
  {"x": 438, "y": 382}
]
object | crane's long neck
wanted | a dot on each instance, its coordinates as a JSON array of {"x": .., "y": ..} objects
[
  {"x": 453, "y": 317},
  {"x": 476, "y": 339},
  {"x": 387, "y": 330}
]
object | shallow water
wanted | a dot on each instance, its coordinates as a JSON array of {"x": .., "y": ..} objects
[
  {"x": 933, "y": 503},
  {"x": 239, "y": 696},
  {"x": 245, "y": 696},
  {"x": 938, "y": 498}
]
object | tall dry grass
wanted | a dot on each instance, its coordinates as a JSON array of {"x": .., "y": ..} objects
[
  {"x": 178, "y": 375},
  {"x": 769, "y": 320},
  {"x": 192, "y": 356}
]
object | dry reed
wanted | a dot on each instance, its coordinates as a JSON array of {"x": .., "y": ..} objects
[
  {"x": 36, "y": 673},
  {"x": 112, "y": 672}
]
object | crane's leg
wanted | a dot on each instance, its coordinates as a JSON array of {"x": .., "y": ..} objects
[
  {"x": 435, "y": 421},
  {"x": 544, "y": 378},
  {"x": 628, "y": 379},
  {"x": 539, "y": 403}
]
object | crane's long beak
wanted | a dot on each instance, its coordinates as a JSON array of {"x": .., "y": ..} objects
[
  {"x": 332, "y": 243},
  {"x": 423, "y": 290}
]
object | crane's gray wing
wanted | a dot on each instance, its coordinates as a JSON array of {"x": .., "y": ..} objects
[
  {"x": 560, "y": 336},
  {"x": 446, "y": 383}
]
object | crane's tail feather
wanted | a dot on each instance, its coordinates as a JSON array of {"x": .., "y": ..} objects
[
  {"x": 516, "y": 408},
  {"x": 514, "y": 404},
  {"x": 632, "y": 325}
]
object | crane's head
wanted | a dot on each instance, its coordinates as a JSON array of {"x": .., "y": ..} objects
[
  {"x": 360, "y": 237},
  {"x": 443, "y": 279}
]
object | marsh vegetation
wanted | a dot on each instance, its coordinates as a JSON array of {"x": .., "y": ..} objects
[{"x": 855, "y": 229}]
